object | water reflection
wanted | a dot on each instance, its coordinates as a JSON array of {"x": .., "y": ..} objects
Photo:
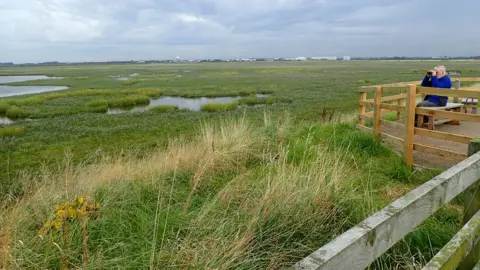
[
  {"x": 5, "y": 121},
  {"x": 8, "y": 91},
  {"x": 192, "y": 104}
]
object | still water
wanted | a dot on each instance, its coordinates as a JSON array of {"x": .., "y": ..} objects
[
  {"x": 8, "y": 91},
  {"x": 192, "y": 104}
]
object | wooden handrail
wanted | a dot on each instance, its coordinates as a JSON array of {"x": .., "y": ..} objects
[
  {"x": 358, "y": 247},
  {"x": 448, "y": 92}
]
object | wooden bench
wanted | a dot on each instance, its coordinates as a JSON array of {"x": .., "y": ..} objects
[
  {"x": 456, "y": 107},
  {"x": 470, "y": 103}
]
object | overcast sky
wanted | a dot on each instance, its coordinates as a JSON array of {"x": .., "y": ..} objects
[{"x": 98, "y": 30}]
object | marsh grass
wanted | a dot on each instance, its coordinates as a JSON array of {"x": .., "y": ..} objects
[
  {"x": 16, "y": 112},
  {"x": 35, "y": 100},
  {"x": 237, "y": 196},
  {"x": 219, "y": 107},
  {"x": 164, "y": 108},
  {"x": 9, "y": 131},
  {"x": 3, "y": 107}
]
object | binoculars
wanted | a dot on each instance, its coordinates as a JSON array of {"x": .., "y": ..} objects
[{"x": 429, "y": 73}]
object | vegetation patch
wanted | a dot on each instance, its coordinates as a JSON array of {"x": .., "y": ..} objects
[
  {"x": 219, "y": 107},
  {"x": 3, "y": 107},
  {"x": 164, "y": 108},
  {"x": 16, "y": 112},
  {"x": 10, "y": 131}
]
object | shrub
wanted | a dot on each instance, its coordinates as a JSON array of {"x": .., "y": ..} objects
[
  {"x": 129, "y": 101},
  {"x": 97, "y": 103},
  {"x": 3, "y": 107},
  {"x": 272, "y": 100},
  {"x": 219, "y": 107},
  {"x": 16, "y": 112},
  {"x": 8, "y": 131},
  {"x": 252, "y": 101},
  {"x": 131, "y": 82},
  {"x": 164, "y": 108},
  {"x": 27, "y": 101},
  {"x": 246, "y": 92}
]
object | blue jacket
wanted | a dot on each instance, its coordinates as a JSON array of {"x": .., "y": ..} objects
[{"x": 434, "y": 81}]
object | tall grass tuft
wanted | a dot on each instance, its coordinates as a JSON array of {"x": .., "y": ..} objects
[
  {"x": 97, "y": 103},
  {"x": 3, "y": 107},
  {"x": 9, "y": 131},
  {"x": 219, "y": 107},
  {"x": 16, "y": 112},
  {"x": 27, "y": 101}
]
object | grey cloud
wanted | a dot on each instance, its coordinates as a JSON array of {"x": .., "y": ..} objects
[{"x": 74, "y": 30}]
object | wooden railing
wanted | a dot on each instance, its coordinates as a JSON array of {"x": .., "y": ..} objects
[{"x": 361, "y": 245}]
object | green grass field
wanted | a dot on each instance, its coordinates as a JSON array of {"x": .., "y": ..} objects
[{"x": 232, "y": 186}]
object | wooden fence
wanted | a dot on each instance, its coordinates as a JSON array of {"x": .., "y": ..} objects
[
  {"x": 361, "y": 245},
  {"x": 358, "y": 247}
]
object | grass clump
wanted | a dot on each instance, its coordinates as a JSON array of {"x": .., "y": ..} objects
[
  {"x": 130, "y": 82},
  {"x": 27, "y": 101},
  {"x": 97, "y": 103},
  {"x": 16, "y": 112},
  {"x": 129, "y": 101},
  {"x": 9, "y": 131},
  {"x": 3, "y": 107},
  {"x": 164, "y": 108},
  {"x": 219, "y": 107}
]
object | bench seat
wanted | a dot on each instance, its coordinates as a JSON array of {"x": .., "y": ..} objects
[
  {"x": 457, "y": 107},
  {"x": 449, "y": 106}
]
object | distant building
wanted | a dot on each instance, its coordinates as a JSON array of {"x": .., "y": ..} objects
[
  {"x": 324, "y": 58},
  {"x": 346, "y": 58},
  {"x": 301, "y": 58}
]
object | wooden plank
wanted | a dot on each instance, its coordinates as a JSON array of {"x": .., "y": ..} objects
[
  {"x": 377, "y": 115},
  {"x": 470, "y": 79},
  {"x": 392, "y": 107},
  {"x": 393, "y": 98},
  {"x": 472, "y": 206},
  {"x": 401, "y": 102},
  {"x": 449, "y": 115},
  {"x": 451, "y": 255},
  {"x": 392, "y": 124},
  {"x": 361, "y": 108},
  {"x": 366, "y": 102},
  {"x": 449, "y": 92},
  {"x": 389, "y": 98},
  {"x": 410, "y": 125},
  {"x": 367, "y": 89},
  {"x": 358, "y": 247},
  {"x": 438, "y": 151},
  {"x": 443, "y": 135},
  {"x": 392, "y": 139},
  {"x": 365, "y": 129}
]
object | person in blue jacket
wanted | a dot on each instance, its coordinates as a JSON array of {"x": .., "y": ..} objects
[{"x": 437, "y": 78}]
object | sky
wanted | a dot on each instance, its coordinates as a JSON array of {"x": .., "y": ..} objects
[{"x": 106, "y": 30}]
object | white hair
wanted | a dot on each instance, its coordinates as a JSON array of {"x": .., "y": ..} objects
[{"x": 443, "y": 69}]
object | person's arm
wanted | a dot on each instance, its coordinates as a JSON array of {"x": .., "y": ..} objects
[
  {"x": 425, "y": 80},
  {"x": 436, "y": 83}
]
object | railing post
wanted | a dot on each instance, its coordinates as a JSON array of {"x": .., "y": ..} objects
[
  {"x": 472, "y": 205},
  {"x": 457, "y": 86},
  {"x": 410, "y": 124},
  {"x": 378, "y": 111},
  {"x": 361, "y": 107},
  {"x": 401, "y": 102}
]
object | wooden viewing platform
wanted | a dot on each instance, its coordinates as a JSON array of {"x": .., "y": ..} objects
[{"x": 361, "y": 245}]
